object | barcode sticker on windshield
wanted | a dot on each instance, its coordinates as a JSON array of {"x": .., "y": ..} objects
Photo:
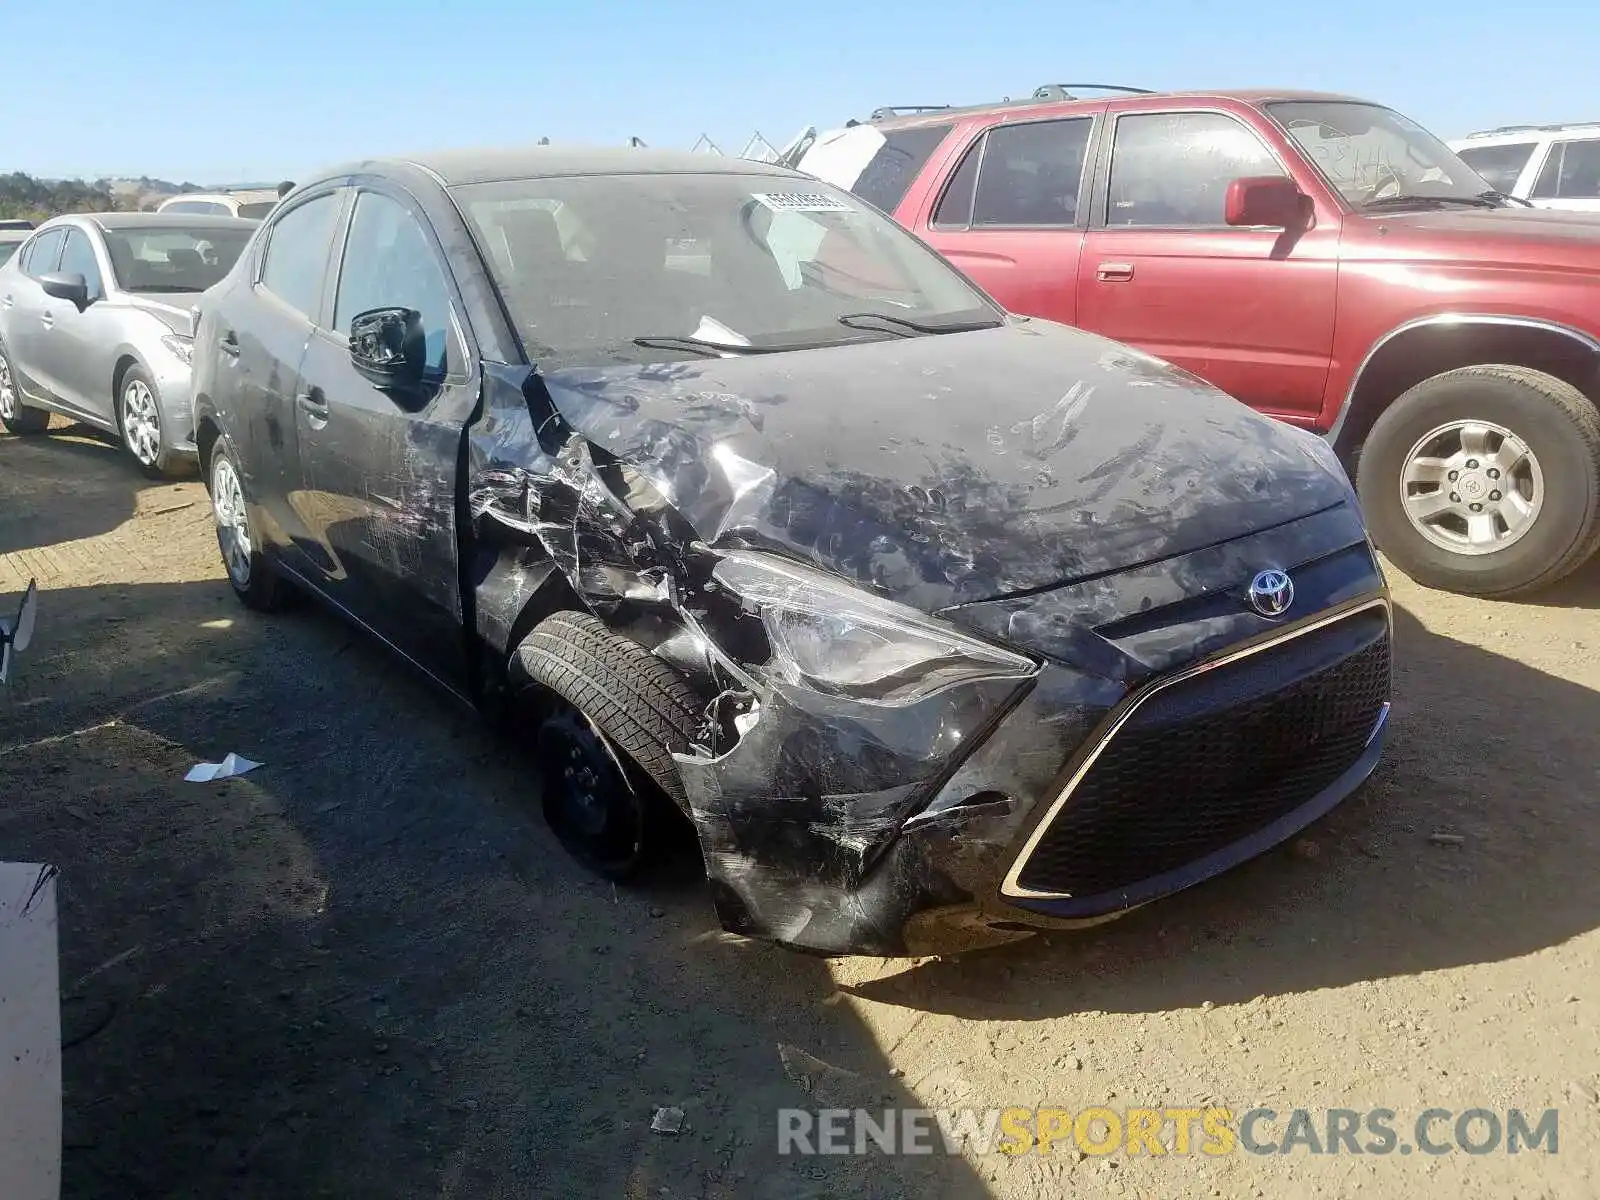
[{"x": 801, "y": 202}]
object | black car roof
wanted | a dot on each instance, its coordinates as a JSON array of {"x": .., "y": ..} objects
[{"x": 456, "y": 168}]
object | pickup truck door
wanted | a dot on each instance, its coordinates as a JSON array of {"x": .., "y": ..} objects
[
  {"x": 379, "y": 471},
  {"x": 1251, "y": 310},
  {"x": 1012, "y": 216},
  {"x": 28, "y": 314}
]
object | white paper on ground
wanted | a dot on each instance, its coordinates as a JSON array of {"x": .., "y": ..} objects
[
  {"x": 30, "y": 1034},
  {"x": 233, "y": 765}
]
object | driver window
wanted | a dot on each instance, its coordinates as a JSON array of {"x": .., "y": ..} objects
[
  {"x": 1173, "y": 169},
  {"x": 78, "y": 259},
  {"x": 389, "y": 263}
]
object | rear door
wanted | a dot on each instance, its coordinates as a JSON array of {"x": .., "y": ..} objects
[
  {"x": 1012, "y": 214},
  {"x": 1249, "y": 309},
  {"x": 261, "y": 336},
  {"x": 1570, "y": 176},
  {"x": 29, "y": 313},
  {"x": 379, "y": 471}
]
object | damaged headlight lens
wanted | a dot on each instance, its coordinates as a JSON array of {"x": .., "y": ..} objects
[{"x": 837, "y": 638}]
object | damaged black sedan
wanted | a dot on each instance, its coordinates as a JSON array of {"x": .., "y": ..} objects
[{"x": 937, "y": 624}]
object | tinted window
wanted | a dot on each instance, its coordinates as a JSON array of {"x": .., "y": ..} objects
[
  {"x": 886, "y": 178},
  {"x": 1031, "y": 173},
  {"x": 389, "y": 263},
  {"x": 1571, "y": 172},
  {"x": 955, "y": 206},
  {"x": 297, "y": 256},
  {"x": 78, "y": 259},
  {"x": 255, "y": 212},
  {"x": 173, "y": 258},
  {"x": 43, "y": 253},
  {"x": 206, "y": 207},
  {"x": 1499, "y": 165},
  {"x": 1175, "y": 168},
  {"x": 588, "y": 264}
]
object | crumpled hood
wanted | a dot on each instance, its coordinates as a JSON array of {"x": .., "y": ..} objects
[
  {"x": 171, "y": 309},
  {"x": 952, "y": 468}
]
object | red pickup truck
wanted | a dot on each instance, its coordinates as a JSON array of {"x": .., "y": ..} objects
[{"x": 1323, "y": 259}]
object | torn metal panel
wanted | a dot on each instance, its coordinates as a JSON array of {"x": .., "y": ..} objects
[{"x": 30, "y": 1033}]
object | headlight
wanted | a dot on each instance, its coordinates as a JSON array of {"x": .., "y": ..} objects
[
  {"x": 837, "y": 638},
  {"x": 182, "y": 348}
]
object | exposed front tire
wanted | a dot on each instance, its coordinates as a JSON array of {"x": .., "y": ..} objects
[
  {"x": 16, "y": 416},
  {"x": 1485, "y": 480},
  {"x": 605, "y": 748},
  {"x": 249, "y": 574},
  {"x": 144, "y": 434}
]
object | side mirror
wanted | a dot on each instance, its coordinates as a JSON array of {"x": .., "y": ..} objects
[
  {"x": 69, "y": 286},
  {"x": 388, "y": 348},
  {"x": 1269, "y": 200}
]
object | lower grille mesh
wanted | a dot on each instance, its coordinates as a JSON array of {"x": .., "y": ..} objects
[{"x": 1211, "y": 760}]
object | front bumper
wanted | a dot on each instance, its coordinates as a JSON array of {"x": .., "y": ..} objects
[{"x": 1081, "y": 796}]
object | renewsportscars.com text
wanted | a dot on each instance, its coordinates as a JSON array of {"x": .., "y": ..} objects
[{"x": 1101, "y": 1131}]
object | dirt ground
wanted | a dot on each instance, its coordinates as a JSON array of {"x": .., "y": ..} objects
[{"x": 366, "y": 970}]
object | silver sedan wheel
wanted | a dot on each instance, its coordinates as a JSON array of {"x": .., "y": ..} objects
[
  {"x": 233, "y": 525},
  {"x": 1471, "y": 487},
  {"x": 141, "y": 422},
  {"x": 8, "y": 391}
]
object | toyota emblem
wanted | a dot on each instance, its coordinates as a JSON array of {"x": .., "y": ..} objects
[{"x": 1271, "y": 593}]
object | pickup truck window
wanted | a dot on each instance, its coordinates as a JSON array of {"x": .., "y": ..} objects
[
  {"x": 1173, "y": 169},
  {"x": 1571, "y": 172},
  {"x": 389, "y": 263},
  {"x": 1372, "y": 153},
  {"x": 1499, "y": 166},
  {"x": 1026, "y": 174}
]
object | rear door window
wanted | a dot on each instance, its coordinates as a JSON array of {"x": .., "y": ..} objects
[
  {"x": 1571, "y": 172},
  {"x": 884, "y": 181},
  {"x": 301, "y": 243},
  {"x": 1030, "y": 175},
  {"x": 1500, "y": 166}
]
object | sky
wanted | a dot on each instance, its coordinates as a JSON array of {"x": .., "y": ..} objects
[{"x": 274, "y": 89}]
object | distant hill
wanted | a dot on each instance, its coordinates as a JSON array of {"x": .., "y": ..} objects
[{"x": 22, "y": 195}]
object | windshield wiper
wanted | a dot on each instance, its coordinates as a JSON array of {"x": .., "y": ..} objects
[
  {"x": 905, "y": 326},
  {"x": 676, "y": 341},
  {"x": 1495, "y": 194},
  {"x": 1431, "y": 201},
  {"x": 164, "y": 288}
]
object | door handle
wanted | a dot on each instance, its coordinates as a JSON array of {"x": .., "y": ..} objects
[
  {"x": 229, "y": 344},
  {"x": 1114, "y": 272},
  {"x": 48, "y": 320},
  {"x": 5, "y": 302},
  {"x": 314, "y": 405}
]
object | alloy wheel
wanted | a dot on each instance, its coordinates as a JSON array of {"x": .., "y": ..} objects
[
  {"x": 141, "y": 422},
  {"x": 8, "y": 391},
  {"x": 1471, "y": 487},
  {"x": 233, "y": 527}
]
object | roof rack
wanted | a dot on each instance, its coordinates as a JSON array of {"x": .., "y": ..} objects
[
  {"x": 1063, "y": 91},
  {"x": 907, "y": 110},
  {"x": 1560, "y": 125}
]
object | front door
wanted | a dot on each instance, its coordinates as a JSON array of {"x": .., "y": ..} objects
[
  {"x": 1010, "y": 216},
  {"x": 379, "y": 470},
  {"x": 79, "y": 353},
  {"x": 1251, "y": 310}
]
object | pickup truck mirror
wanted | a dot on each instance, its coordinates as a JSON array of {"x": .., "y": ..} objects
[
  {"x": 69, "y": 286},
  {"x": 387, "y": 347},
  {"x": 1270, "y": 200}
]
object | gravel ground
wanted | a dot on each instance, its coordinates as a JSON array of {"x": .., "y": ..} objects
[{"x": 367, "y": 970}]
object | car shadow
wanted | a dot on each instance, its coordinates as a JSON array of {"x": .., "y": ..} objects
[
  {"x": 1474, "y": 842},
  {"x": 366, "y": 968},
  {"x": 64, "y": 486}
]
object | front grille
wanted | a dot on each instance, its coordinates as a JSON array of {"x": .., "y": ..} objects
[{"x": 1215, "y": 757}]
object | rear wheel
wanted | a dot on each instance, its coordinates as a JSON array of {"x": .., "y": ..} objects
[
  {"x": 250, "y": 575},
  {"x": 605, "y": 746},
  {"x": 1485, "y": 480},
  {"x": 16, "y": 416}
]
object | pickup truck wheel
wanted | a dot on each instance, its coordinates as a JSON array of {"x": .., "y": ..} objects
[
  {"x": 605, "y": 752},
  {"x": 1485, "y": 480},
  {"x": 249, "y": 574},
  {"x": 16, "y": 416}
]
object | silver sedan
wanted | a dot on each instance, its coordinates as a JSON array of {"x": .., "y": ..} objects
[{"x": 95, "y": 324}]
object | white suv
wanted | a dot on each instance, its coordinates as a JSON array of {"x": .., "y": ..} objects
[{"x": 1552, "y": 166}]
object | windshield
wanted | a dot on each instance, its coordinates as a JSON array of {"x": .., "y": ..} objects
[
  {"x": 588, "y": 264},
  {"x": 171, "y": 259},
  {"x": 1374, "y": 154}
]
